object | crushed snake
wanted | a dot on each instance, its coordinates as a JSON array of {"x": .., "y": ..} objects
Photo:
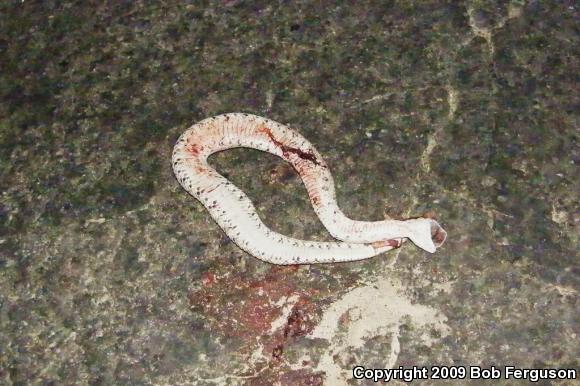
[{"x": 233, "y": 211}]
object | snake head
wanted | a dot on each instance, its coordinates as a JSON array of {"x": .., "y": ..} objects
[{"x": 426, "y": 233}]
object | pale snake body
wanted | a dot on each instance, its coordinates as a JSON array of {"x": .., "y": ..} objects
[{"x": 235, "y": 214}]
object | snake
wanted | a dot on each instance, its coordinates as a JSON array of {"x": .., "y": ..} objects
[{"x": 235, "y": 214}]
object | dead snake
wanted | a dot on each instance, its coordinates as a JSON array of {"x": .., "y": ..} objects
[{"x": 236, "y": 215}]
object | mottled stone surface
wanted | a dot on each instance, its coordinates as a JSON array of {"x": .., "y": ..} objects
[{"x": 111, "y": 274}]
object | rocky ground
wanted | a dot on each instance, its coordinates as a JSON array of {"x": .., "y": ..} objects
[{"x": 111, "y": 274}]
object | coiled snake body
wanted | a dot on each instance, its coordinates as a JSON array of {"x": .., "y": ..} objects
[{"x": 235, "y": 214}]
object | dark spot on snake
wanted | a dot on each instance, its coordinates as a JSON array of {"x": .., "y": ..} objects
[
  {"x": 305, "y": 155},
  {"x": 316, "y": 200}
]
